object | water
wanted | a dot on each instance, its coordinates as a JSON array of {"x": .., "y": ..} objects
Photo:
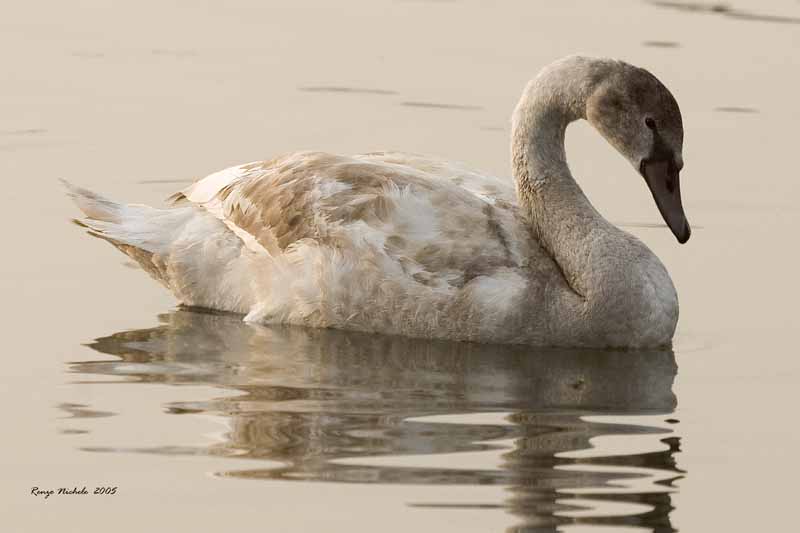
[
  {"x": 329, "y": 406},
  {"x": 205, "y": 423}
]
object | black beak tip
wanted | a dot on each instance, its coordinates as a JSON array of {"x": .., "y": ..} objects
[{"x": 684, "y": 235}]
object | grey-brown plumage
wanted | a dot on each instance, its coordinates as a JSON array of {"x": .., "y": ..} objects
[{"x": 402, "y": 244}]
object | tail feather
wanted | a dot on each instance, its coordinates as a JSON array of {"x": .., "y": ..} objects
[
  {"x": 93, "y": 205},
  {"x": 189, "y": 251},
  {"x": 138, "y": 226},
  {"x": 139, "y": 231}
]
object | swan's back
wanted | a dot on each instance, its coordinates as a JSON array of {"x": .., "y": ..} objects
[
  {"x": 417, "y": 210},
  {"x": 378, "y": 242}
]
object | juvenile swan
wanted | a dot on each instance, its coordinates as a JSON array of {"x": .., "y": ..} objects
[{"x": 401, "y": 244}]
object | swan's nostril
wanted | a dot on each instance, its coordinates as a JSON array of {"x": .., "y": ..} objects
[{"x": 670, "y": 185}]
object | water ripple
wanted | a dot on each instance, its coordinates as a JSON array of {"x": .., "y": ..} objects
[
  {"x": 326, "y": 406},
  {"x": 725, "y": 10}
]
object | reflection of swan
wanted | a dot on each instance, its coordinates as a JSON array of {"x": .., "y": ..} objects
[
  {"x": 401, "y": 244},
  {"x": 312, "y": 398},
  {"x": 220, "y": 349}
]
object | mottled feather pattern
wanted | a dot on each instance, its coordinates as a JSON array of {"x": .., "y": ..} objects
[
  {"x": 378, "y": 242},
  {"x": 397, "y": 243}
]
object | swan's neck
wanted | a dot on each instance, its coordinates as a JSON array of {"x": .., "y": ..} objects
[{"x": 560, "y": 214}]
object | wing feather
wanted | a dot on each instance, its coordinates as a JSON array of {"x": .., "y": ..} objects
[
  {"x": 342, "y": 233},
  {"x": 438, "y": 214}
]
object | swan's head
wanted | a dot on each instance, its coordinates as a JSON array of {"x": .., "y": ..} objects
[{"x": 641, "y": 119}]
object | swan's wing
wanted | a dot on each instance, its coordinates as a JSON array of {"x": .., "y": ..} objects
[
  {"x": 378, "y": 237},
  {"x": 418, "y": 209},
  {"x": 489, "y": 188}
]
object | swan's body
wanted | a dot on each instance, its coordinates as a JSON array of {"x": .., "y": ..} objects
[{"x": 400, "y": 244}]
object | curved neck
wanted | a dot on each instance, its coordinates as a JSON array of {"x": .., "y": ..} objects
[{"x": 561, "y": 215}]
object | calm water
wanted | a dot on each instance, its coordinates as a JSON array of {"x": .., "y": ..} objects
[
  {"x": 332, "y": 407},
  {"x": 204, "y": 423}
]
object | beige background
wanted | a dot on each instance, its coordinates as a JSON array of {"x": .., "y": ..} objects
[{"x": 110, "y": 94}]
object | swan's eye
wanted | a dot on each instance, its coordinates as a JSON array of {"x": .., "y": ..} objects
[{"x": 650, "y": 123}]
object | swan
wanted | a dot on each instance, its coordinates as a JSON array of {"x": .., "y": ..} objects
[{"x": 402, "y": 244}]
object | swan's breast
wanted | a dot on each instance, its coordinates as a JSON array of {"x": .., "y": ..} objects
[{"x": 635, "y": 302}]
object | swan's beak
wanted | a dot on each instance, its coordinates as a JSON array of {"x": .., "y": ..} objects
[{"x": 662, "y": 176}]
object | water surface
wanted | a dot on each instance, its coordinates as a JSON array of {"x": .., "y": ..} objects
[
  {"x": 331, "y": 406},
  {"x": 206, "y": 424}
]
